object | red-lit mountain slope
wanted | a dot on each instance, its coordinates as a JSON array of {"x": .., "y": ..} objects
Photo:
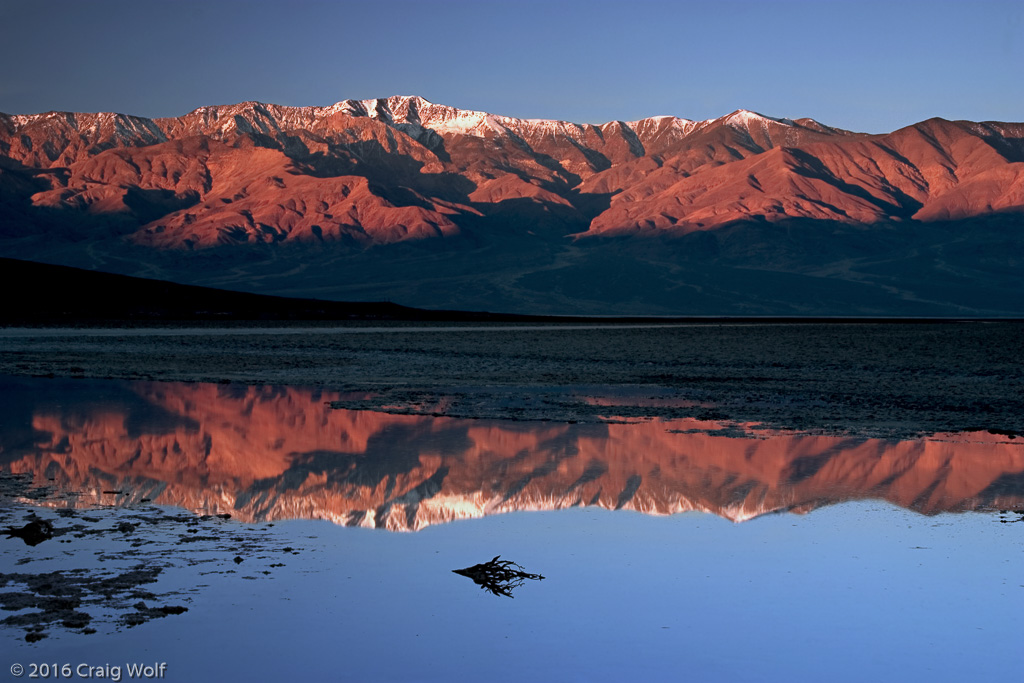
[{"x": 509, "y": 204}]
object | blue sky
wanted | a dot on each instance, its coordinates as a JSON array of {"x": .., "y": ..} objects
[{"x": 868, "y": 66}]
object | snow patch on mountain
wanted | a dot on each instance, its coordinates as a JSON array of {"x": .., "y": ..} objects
[
  {"x": 416, "y": 111},
  {"x": 744, "y": 118},
  {"x": 412, "y": 114}
]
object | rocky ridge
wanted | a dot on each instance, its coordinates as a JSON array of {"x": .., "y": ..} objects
[
  {"x": 366, "y": 173},
  {"x": 255, "y": 172}
]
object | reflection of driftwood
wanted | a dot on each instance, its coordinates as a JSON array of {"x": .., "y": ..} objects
[{"x": 500, "y": 577}]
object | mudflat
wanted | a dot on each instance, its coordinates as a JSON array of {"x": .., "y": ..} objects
[{"x": 888, "y": 380}]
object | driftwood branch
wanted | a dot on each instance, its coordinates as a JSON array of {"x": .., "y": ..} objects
[{"x": 498, "y": 576}]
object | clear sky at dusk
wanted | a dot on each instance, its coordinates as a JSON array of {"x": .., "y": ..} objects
[{"x": 868, "y": 66}]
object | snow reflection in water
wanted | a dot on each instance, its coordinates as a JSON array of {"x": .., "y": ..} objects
[
  {"x": 270, "y": 453},
  {"x": 624, "y": 595}
]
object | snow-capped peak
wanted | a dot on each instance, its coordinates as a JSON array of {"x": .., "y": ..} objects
[
  {"x": 663, "y": 124},
  {"x": 418, "y": 111},
  {"x": 664, "y": 118},
  {"x": 743, "y": 118},
  {"x": 414, "y": 115}
]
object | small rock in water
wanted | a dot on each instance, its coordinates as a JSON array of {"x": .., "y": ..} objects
[{"x": 33, "y": 533}]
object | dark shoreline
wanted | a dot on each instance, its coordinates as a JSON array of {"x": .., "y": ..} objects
[{"x": 44, "y": 295}]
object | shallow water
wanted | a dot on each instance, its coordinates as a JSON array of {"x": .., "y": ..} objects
[
  {"x": 862, "y": 591},
  {"x": 856, "y": 559}
]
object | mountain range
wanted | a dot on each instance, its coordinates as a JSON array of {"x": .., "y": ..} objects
[{"x": 428, "y": 205}]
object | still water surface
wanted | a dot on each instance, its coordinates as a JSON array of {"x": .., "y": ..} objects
[{"x": 678, "y": 549}]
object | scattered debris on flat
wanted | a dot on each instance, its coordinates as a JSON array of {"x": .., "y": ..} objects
[{"x": 498, "y": 576}]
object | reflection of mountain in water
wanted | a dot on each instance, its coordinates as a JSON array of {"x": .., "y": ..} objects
[{"x": 265, "y": 453}]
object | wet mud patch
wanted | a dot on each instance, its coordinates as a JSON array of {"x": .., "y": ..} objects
[
  {"x": 104, "y": 569},
  {"x": 1011, "y": 516},
  {"x": 70, "y": 599},
  {"x": 582, "y": 403}
]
